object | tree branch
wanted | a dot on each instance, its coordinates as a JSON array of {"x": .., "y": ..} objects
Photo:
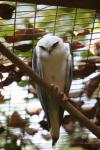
[{"x": 66, "y": 105}]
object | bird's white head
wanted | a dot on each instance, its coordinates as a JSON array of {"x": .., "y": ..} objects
[{"x": 48, "y": 45}]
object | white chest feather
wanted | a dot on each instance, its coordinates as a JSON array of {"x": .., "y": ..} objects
[{"x": 54, "y": 70}]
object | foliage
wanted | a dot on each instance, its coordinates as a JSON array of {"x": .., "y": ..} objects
[{"x": 59, "y": 21}]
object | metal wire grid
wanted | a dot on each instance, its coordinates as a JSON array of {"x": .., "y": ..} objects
[{"x": 58, "y": 21}]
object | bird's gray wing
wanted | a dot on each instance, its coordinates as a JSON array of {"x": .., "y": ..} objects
[
  {"x": 68, "y": 78},
  {"x": 38, "y": 69},
  {"x": 69, "y": 68}
]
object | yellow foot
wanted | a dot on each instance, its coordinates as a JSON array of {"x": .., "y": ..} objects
[
  {"x": 58, "y": 94},
  {"x": 65, "y": 97},
  {"x": 55, "y": 90}
]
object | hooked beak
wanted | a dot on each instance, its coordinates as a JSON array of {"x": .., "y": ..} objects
[{"x": 50, "y": 51}]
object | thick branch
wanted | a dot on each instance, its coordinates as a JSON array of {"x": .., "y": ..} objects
[
  {"x": 66, "y": 105},
  {"x": 90, "y": 4}
]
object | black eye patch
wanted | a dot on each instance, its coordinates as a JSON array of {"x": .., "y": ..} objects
[
  {"x": 55, "y": 44},
  {"x": 43, "y": 48}
]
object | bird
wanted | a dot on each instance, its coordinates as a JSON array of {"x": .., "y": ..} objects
[{"x": 53, "y": 62}]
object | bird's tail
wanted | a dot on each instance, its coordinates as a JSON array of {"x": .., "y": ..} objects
[{"x": 53, "y": 112}]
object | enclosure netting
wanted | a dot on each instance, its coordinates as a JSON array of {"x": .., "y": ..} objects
[{"x": 20, "y": 33}]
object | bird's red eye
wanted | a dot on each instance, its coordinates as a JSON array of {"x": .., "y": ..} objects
[
  {"x": 43, "y": 48},
  {"x": 55, "y": 44}
]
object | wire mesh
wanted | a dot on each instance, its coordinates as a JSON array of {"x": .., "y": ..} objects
[{"x": 65, "y": 23}]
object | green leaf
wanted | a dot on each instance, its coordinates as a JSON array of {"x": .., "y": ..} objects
[
  {"x": 86, "y": 53},
  {"x": 23, "y": 83}
]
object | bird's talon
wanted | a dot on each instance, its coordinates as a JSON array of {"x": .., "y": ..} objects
[
  {"x": 54, "y": 88},
  {"x": 61, "y": 94},
  {"x": 65, "y": 97}
]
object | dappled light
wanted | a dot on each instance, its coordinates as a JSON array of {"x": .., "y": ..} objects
[{"x": 23, "y": 123}]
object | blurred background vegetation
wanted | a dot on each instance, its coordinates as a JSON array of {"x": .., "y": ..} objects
[{"x": 18, "y": 99}]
